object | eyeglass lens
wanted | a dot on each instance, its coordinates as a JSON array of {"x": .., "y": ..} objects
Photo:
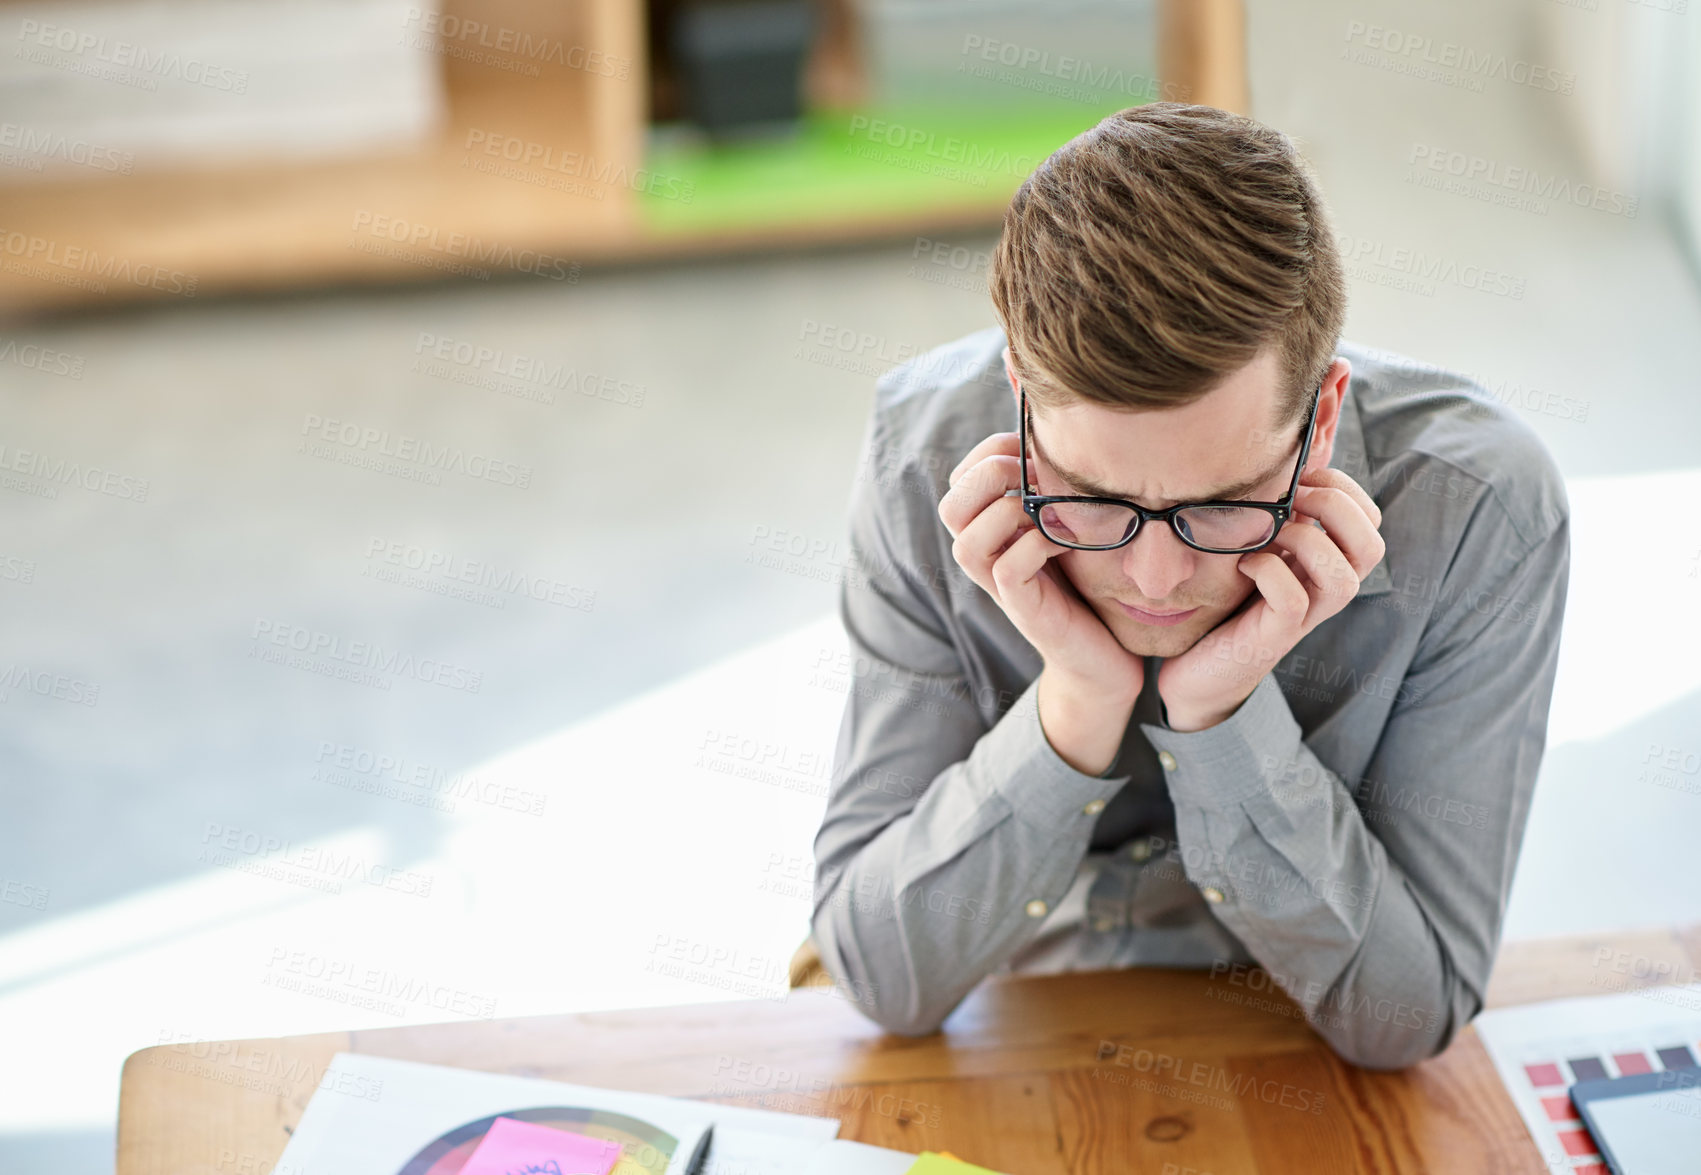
[{"x": 1100, "y": 524}]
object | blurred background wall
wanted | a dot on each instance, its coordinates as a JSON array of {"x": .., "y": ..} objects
[{"x": 425, "y": 434}]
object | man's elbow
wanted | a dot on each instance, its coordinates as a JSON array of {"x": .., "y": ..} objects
[
  {"x": 1388, "y": 1048},
  {"x": 1389, "y": 1056},
  {"x": 908, "y": 1026},
  {"x": 892, "y": 1005},
  {"x": 897, "y": 1016}
]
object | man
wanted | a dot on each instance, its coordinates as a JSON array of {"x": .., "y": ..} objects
[{"x": 1301, "y": 735}]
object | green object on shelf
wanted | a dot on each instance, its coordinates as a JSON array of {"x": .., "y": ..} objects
[{"x": 856, "y": 164}]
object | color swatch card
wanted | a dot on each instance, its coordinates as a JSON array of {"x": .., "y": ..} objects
[
  {"x": 1541, "y": 1050},
  {"x": 512, "y": 1147}
]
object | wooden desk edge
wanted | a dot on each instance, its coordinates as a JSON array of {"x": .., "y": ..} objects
[{"x": 1525, "y": 972}]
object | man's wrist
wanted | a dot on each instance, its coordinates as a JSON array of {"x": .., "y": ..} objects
[
  {"x": 1184, "y": 723},
  {"x": 1184, "y": 720},
  {"x": 1083, "y": 723},
  {"x": 1232, "y": 760}
]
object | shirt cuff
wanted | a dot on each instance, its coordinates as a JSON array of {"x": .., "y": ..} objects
[
  {"x": 1026, "y": 770},
  {"x": 1235, "y": 759}
]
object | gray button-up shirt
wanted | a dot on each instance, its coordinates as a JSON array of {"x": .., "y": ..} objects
[{"x": 1351, "y": 829}]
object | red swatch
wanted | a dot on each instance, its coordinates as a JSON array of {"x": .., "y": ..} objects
[
  {"x": 1629, "y": 1063},
  {"x": 1558, "y": 1109},
  {"x": 1577, "y": 1142},
  {"x": 1546, "y": 1074}
]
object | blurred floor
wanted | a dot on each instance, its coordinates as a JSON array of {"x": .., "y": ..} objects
[{"x": 135, "y": 813}]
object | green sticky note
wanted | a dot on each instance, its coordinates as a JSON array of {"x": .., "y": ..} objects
[{"x": 932, "y": 1163}]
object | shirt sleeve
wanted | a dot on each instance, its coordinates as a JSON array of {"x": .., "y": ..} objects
[
  {"x": 1377, "y": 903},
  {"x": 945, "y": 840}
]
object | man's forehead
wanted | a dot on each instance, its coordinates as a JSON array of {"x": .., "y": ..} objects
[{"x": 1102, "y": 452}]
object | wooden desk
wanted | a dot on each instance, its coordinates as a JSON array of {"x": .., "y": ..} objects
[{"x": 1018, "y": 1081}]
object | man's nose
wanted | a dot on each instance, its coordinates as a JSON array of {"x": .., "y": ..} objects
[{"x": 1157, "y": 560}]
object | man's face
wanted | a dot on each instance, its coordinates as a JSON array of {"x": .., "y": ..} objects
[{"x": 1158, "y": 458}]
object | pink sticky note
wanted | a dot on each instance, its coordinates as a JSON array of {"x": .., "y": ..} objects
[{"x": 513, "y": 1147}]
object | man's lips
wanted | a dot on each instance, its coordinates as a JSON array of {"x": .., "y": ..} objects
[{"x": 1146, "y": 617}]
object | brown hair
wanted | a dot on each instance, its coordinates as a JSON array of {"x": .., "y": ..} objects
[{"x": 1150, "y": 257}]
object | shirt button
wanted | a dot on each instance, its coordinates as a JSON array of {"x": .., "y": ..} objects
[
  {"x": 1102, "y": 925},
  {"x": 1094, "y": 807},
  {"x": 1036, "y": 909},
  {"x": 1167, "y": 759},
  {"x": 1212, "y": 894},
  {"x": 1140, "y": 850}
]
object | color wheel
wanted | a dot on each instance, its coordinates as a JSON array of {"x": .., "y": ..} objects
[{"x": 645, "y": 1150}]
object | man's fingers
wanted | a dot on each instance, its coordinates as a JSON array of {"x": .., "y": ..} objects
[
  {"x": 1276, "y": 582},
  {"x": 1340, "y": 480},
  {"x": 1002, "y": 443},
  {"x": 1324, "y": 563},
  {"x": 1016, "y": 572},
  {"x": 1344, "y": 518},
  {"x": 977, "y": 487},
  {"x": 986, "y": 536}
]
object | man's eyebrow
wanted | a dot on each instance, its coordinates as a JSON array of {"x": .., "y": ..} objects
[{"x": 1093, "y": 489}]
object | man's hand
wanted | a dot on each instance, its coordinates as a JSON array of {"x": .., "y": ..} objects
[
  {"x": 1314, "y": 575},
  {"x": 1001, "y": 549}
]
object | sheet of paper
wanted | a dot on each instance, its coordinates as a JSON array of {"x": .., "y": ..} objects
[
  {"x": 733, "y": 1151},
  {"x": 372, "y": 1114},
  {"x": 843, "y": 1157},
  {"x": 512, "y": 1147},
  {"x": 748, "y": 1152}
]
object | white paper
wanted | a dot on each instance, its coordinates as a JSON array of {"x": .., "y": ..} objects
[
  {"x": 843, "y": 1157},
  {"x": 755, "y": 1152},
  {"x": 747, "y": 1152},
  {"x": 370, "y": 1115}
]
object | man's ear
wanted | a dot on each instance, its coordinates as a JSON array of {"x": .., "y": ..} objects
[
  {"x": 1010, "y": 373},
  {"x": 1330, "y": 404}
]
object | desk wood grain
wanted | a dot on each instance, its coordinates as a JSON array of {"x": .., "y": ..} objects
[{"x": 1084, "y": 1073}]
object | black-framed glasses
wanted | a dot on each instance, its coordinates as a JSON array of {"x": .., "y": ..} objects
[{"x": 1217, "y": 527}]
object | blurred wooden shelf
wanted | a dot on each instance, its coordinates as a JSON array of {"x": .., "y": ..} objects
[{"x": 450, "y": 207}]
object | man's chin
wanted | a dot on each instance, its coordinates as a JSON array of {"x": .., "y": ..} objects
[{"x": 1153, "y": 640}]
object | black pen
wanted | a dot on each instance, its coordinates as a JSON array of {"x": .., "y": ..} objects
[{"x": 701, "y": 1153}]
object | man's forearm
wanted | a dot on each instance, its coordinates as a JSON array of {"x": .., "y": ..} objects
[
  {"x": 1377, "y": 901},
  {"x": 939, "y": 897},
  {"x": 1273, "y": 837},
  {"x": 1309, "y": 889}
]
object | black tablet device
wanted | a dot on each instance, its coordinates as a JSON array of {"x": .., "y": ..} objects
[{"x": 1646, "y": 1124}]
